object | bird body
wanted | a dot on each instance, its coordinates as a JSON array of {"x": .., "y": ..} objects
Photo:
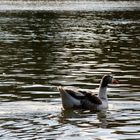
[{"x": 81, "y": 99}]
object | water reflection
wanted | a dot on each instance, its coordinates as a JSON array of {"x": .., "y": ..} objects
[
  {"x": 72, "y": 5},
  {"x": 102, "y": 116},
  {"x": 40, "y": 50},
  {"x": 85, "y": 118}
]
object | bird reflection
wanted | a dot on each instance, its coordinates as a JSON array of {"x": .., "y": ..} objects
[
  {"x": 102, "y": 117},
  {"x": 67, "y": 114},
  {"x": 92, "y": 118}
]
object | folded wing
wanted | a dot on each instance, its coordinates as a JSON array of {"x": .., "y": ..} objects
[{"x": 84, "y": 95}]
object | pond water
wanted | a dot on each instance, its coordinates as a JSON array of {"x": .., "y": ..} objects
[{"x": 44, "y": 44}]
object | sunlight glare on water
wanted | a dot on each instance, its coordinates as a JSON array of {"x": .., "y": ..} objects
[
  {"x": 67, "y": 5},
  {"x": 45, "y": 44}
]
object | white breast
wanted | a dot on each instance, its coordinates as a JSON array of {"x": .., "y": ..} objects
[{"x": 104, "y": 105}]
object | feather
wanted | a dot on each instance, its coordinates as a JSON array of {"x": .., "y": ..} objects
[
  {"x": 79, "y": 94},
  {"x": 91, "y": 97}
]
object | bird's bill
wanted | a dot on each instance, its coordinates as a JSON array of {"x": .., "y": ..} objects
[{"x": 114, "y": 81}]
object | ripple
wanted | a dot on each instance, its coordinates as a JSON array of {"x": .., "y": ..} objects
[
  {"x": 42, "y": 49},
  {"x": 34, "y": 116},
  {"x": 29, "y": 108},
  {"x": 71, "y": 6}
]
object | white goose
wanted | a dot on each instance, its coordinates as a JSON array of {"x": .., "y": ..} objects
[{"x": 78, "y": 99}]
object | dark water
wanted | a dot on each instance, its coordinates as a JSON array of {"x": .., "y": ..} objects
[{"x": 42, "y": 48}]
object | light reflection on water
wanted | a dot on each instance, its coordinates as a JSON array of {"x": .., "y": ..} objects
[
  {"x": 69, "y": 5},
  {"x": 40, "y": 50}
]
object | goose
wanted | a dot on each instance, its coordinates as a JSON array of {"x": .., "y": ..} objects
[{"x": 82, "y": 99}]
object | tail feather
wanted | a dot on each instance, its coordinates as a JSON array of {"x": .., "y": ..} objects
[{"x": 67, "y": 100}]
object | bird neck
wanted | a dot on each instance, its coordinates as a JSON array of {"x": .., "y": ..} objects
[{"x": 102, "y": 93}]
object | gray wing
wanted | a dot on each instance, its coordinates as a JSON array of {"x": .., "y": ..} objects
[
  {"x": 91, "y": 97},
  {"x": 86, "y": 95}
]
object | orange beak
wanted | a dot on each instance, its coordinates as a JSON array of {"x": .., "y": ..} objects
[{"x": 114, "y": 81}]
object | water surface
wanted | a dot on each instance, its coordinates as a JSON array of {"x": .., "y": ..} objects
[{"x": 45, "y": 44}]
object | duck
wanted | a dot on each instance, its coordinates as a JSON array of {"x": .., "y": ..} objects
[{"x": 83, "y": 99}]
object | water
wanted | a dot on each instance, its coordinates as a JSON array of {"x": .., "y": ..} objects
[{"x": 45, "y": 44}]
